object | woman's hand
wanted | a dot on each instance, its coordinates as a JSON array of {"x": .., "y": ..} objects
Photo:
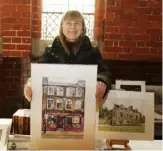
[
  {"x": 100, "y": 90},
  {"x": 28, "y": 92}
]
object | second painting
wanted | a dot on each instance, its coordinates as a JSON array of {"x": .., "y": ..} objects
[{"x": 126, "y": 115}]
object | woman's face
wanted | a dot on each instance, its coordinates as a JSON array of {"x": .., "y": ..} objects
[{"x": 72, "y": 29}]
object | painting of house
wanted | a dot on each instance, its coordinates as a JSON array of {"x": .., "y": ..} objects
[
  {"x": 125, "y": 115},
  {"x": 62, "y": 107},
  {"x": 121, "y": 115}
]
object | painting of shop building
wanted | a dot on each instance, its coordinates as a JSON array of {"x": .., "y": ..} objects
[
  {"x": 62, "y": 109},
  {"x": 121, "y": 118}
]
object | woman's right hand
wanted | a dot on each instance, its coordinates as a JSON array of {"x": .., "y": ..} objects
[{"x": 28, "y": 92}]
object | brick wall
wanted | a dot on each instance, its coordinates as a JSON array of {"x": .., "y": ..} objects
[
  {"x": 13, "y": 74},
  {"x": 20, "y": 23},
  {"x": 132, "y": 30}
]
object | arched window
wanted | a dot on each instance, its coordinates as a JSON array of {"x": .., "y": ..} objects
[{"x": 52, "y": 11}]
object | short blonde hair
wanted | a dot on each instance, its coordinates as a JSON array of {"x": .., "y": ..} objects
[{"x": 71, "y": 15}]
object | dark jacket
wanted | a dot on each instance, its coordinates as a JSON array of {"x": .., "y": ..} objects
[{"x": 85, "y": 55}]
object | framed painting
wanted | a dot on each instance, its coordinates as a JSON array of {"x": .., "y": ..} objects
[
  {"x": 126, "y": 115},
  {"x": 5, "y": 126},
  {"x": 63, "y": 106},
  {"x": 129, "y": 85}
]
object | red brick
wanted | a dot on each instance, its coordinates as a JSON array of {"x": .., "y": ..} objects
[
  {"x": 26, "y": 53},
  {"x": 109, "y": 16},
  {"x": 127, "y": 44},
  {"x": 142, "y": 11},
  {"x": 127, "y": 37},
  {"x": 128, "y": 17},
  {"x": 113, "y": 36},
  {"x": 23, "y": 47},
  {"x": 16, "y": 40},
  {"x": 116, "y": 43},
  {"x": 6, "y": 27},
  {"x": 16, "y": 27},
  {"x": 116, "y": 10},
  {"x": 154, "y": 51},
  {"x": 117, "y": 2},
  {"x": 137, "y": 30},
  {"x": 155, "y": 18},
  {"x": 36, "y": 22},
  {"x": 140, "y": 44},
  {"x": 109, "y": 55},
  {"x": 123, "y": 30},
  {"x": 108, "y": 43},
  {"x": 9, "y": 7},
  {"x": 26, "y": 1},
  {"x": 155, "y": 4},
  {"x": 38, "y": 9},
  {"x": 8, "y": 33},
  {"x": 16, "y": 1},
  {"x": 129, "y": 3},
  {"x": 140, "y": 50},
  {"x": 114, "y": 23},
  {"x": 26, "y": 14},
  {"x": 155, "y": 37},
  {"x": 36, "y": 15},
  {"x": 6, "y": 40},
  {"x": 23, "y": 8},
  {"x": 128, "y": 10},
  {"x": 6, "y": 53},
  {"x": 36, "y": 28},
  {"x": 26, "y": 40},
  {"x": 108, "y": 3},
  {"x": 140, "y": 24},
  {"x": 154, "y": 31},
  {"x": 15, "y": 54},
  {"x": 26, "y": 27},
  {"x": 141, "y": 37},
  {"x": 113, "y": 49},
  {"x": 109, "y": 29},
  {"x": 23, "y": 20},
  {"x": 142, "y": 3},
  {"x": 143, "y": 18},
  {"x": 126, "y": 50},
  {"x": 157, "y": 11},
  {"x": 36, "y": 34},
  {"x": 8, "y": 46},
  {"x": 155, "y": 25},
  {"x": 151, "y": 44},
  {"x": 8, "y": 20},
  {"x": 24, "y": 33},
  {"x": 16, "y": 14}
]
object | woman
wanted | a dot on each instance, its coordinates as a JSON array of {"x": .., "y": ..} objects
[{"x": 72, "y": 46}]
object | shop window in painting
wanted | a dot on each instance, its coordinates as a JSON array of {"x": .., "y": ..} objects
[
  {"x": 50, "y": 90},
  {"x": 70, "y": 92},
  {"x": 79, "y": 92},
  {"x": 60, "y": 91},
  {"x": 69, "y": 122},
  {"x": 78, "y": 104},
  {"x": 69, "y": 104},
  {"x": 50, "y": 104},
  {"x": 59, "y": 104}
]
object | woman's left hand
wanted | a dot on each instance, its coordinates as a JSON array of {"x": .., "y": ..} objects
[{"x": 100, "y": 90}]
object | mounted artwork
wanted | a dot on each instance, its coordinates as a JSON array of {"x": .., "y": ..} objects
[
  {"x": 128, "y": 85},
  {"x": 60, "y": 107},
  {"x": 125, "y": 115}
]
